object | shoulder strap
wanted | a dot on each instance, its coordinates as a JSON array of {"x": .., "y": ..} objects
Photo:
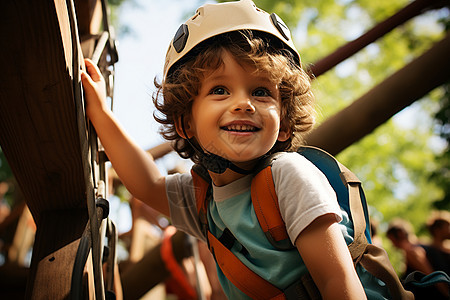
[
  {"x": 359, "y": 244},
  {"x": 265, "y": 203},
  {"x": 202, "y": 183}
]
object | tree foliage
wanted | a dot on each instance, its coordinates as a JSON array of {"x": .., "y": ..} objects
[{"x": 442, "y": 175}]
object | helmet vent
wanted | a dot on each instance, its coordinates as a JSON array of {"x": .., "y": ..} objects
[
  {"x": 195, "y": 16},
  {"x": 280, "y": 26}
]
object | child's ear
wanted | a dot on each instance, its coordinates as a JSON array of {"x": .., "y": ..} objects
[
  {"x": 187, "y": 128},
  {"x": 283, "y": 135}
]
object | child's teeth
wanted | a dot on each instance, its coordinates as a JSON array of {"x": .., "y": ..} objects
[{"x": 235, "y": 127}]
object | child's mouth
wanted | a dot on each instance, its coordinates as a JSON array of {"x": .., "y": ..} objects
[{"x": 240, "y": 128}]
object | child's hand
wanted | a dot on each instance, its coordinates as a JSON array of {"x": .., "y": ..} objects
[{"x": 94, "y": 89}]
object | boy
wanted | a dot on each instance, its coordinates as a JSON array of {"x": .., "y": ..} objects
[{"x": 234, "y": 92}]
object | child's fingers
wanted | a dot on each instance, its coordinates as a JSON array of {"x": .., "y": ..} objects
[
  {"x": 93, "y": 70},
  {"x": 88, "y": 83},
  {"x": 91, "y": 87},
  {"x": 87, "y": 79}
]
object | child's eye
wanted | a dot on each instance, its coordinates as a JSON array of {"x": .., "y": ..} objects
[
  {"x": 261, "y": 92},
  {"x": 219, "y": 91}
]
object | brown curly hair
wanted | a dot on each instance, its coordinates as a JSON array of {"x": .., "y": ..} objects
[{"x": 174, "y": 96}]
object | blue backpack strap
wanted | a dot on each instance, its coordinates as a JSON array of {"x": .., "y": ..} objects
[
  {"x": 360, "y": 242},
  {"x": 350, "y": 195}
]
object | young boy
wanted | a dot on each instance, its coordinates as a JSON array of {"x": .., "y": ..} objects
[{"x": 234, "y": 92}]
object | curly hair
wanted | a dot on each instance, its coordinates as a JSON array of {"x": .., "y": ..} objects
[{"x": 175, "y": 95}]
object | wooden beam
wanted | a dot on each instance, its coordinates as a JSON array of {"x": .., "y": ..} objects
[
  {"x": 401, "y": 89},
  {"x": 89, "y": 20},
  {"x": 89, "y": 16},
  {"x": 410, "y": 11}
]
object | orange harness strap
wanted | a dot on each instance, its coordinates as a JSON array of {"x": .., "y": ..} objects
[
  {"x": 265, "y": 203},
  {"x": 267, "y": 210},
  {"x": 240, "y": 275},
  {"x": 201, "y": 190}
]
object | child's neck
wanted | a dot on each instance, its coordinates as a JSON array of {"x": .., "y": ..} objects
[
  {"x": 229, "y": 175},
  {"x": 225, "y": 178}
]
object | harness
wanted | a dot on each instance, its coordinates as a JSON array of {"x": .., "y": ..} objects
[{"x": 265, "y": 202}]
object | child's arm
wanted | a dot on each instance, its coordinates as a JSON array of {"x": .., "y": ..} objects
[
  {"x": 134, "y": 166},
  {"x": 327, "y": 258}
]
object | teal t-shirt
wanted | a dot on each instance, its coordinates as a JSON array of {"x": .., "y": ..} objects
[
  {"x": 237, "y": 214},
  {"x": 233, "y": 209}
]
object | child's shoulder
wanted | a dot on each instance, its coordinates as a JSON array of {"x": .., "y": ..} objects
[
  {"x": 290, "y": 160},
  {"x": 294, "y": 166}
]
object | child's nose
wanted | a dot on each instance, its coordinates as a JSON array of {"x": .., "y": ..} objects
[{"x": 243, "y": 104}]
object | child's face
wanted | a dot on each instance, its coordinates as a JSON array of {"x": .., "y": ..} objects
[{"x": 236, "y": 114}]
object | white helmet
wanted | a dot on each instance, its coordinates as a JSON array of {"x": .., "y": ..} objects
[{"x": 214, "y": 19}]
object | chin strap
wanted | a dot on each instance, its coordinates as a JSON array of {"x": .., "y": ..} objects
[
  {"x": 211, "y": 161},
  {"x": 218, "y": 164}
]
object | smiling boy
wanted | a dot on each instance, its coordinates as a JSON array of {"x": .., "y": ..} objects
[{"x": 234, "y": 93}]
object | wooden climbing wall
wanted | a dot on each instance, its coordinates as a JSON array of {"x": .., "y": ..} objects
[{"x": 43, "y": 131}]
